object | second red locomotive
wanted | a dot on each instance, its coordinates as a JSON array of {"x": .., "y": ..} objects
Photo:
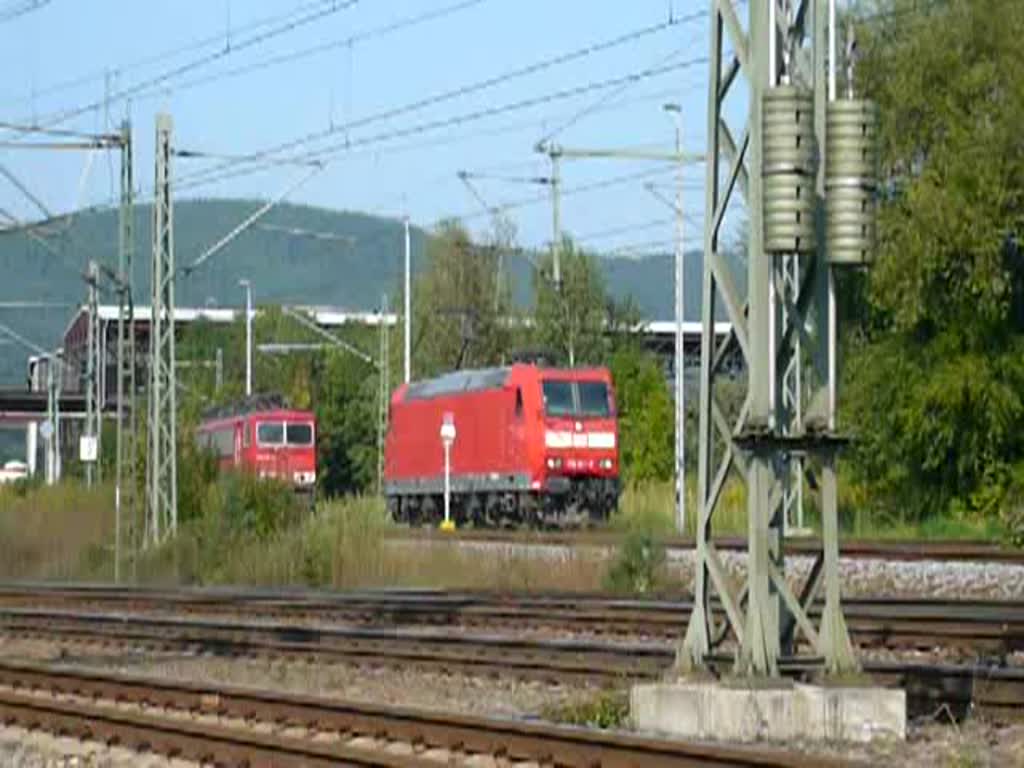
[
  {"x": 535, "y": 446},
  {"x": 262, "y": 436}
]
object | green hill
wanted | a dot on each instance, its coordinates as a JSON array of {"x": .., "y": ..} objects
[{"x": 283, "y": 266}]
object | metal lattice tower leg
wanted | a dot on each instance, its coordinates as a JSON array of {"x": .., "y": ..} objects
[
  {"x": 161, "y": 465},
  {"x": 125, "y": 486},
  {"x": 782, "y": 329}
]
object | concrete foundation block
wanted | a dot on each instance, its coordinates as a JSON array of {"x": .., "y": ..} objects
[
  {"x": 855, "y": 713},
  {"x": 778, "y": 711}
]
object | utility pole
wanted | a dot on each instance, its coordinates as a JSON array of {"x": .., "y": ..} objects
[
  {"x": 675, "y": 111},
  {"x": 52, "y": 416},
  {"x": 384, "y": 392},
  {"x": 806, "y": 165},
  {"x": 407, "y": 334},
  {"x": 162, "y": 466},
  {"x": 555, "y": 153},
  {"x": 89, "y": 444},
  {"x": 248, "y": 336}
]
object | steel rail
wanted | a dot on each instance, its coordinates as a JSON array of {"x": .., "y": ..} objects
[
  {"x": 462, "y": 735},
  {"x": 981, "y": 686},
  {"x": 979, "y": 625},
  {"x": 880, "y": 549}
]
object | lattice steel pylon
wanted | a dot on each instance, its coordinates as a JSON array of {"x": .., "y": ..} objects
[
  {"x": 126, "y": 523},
  {"x": 784, "y": 329},
  {"x": 161, "y": 464}
]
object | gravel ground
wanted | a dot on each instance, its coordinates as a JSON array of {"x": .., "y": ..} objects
[
  {"x": 861, "y": 577},
  {"x": 20, "y": 748},
  {"x": 974, "y": 744},
  {"x": 935, "y": 742}
]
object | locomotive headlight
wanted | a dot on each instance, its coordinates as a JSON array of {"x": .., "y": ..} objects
[
  {"x": 607, "y": 463},
  {"x": 554, "y": 462}
]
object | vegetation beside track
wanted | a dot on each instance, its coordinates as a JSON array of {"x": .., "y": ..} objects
[{"x": 241, "y": 531}]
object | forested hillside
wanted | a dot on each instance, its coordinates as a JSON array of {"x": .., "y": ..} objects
[{"x": 283, "y": 257}]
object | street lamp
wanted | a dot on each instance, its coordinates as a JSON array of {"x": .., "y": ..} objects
[
  {"x": 447, "y": 439},
  {"x": 248, "y": 336},
  {"x": 675, "y": 112}
]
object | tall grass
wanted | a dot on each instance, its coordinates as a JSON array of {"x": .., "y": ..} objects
[
  {"x": 60, "y": 532},
  {"x": 650, "y": 507},
  {"x": 251, "y": 533},
  {"x": 344, "y": 546}
]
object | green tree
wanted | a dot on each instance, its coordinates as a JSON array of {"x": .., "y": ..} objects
[
  {"x": 346, "y": 408},
  {"x": 571, "y": 324},
  {"x": 460, "y": 307},
  {"x": 646, "y": 417},
  {"x": 935, "y": 373}
]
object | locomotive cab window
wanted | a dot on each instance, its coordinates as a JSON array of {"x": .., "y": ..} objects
[
  {"x": 558, "y": 398},
  {"x": 270, "y": 433},
  {"x": 594, "y": 399},
  {"x": 299, "y": 434}
]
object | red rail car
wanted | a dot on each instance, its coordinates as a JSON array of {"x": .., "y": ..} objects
[
  {"x": 535, "y": 446},
  {"x": 263, "y": 436}
]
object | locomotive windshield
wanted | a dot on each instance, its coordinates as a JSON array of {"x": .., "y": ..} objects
[
  {"x": 270, "y": 433},
  {"x": 281, "y": 433},
  {"x": 300, "y": 434},
  {"x": 576, "y": 398},
  {"x": 593, "y": 397},
  {"x": 558, "y": 398}
]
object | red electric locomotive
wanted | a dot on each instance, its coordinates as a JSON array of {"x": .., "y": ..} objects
[
  {"x": 534, "y": 445},
  {"x": 263, "y": 436}
]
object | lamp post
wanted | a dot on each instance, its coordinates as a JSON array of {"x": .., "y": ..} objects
[
  {"x": 676, "y": 113},
  {"x": 448, "y": 439},
  {"x": 248, "y": 336}
]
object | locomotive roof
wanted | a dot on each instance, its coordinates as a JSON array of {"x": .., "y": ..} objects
[
  {"x": 471, "y": 381},
  {"x": 248, "y": 405},
  {"x": 458, "y": 381}
]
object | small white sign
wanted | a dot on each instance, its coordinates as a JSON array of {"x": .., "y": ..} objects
[
  {"x": 448, "y": 428},
  {"x": 87, "y": 448},
  {"x": 46, "y": 430}
]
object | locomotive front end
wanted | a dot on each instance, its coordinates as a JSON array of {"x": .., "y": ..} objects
[{"x": 581, "y": 443}]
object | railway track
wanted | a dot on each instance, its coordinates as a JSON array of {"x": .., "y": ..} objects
[
  {"x": 980, "y": 687},
  {"x": 191, "y": 724},
  {"x": 971, "y": 627},
  {"x": 895, "y": 550}
]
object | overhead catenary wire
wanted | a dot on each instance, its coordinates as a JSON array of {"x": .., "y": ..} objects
[
  {"x": 619, "y": 90},
  {"x": 448, "y": 139},
  {"x": 462, "y": 90},
  {"x": 518, "y": 126},
  {"x": 602, "y": 234},
  {"x": 302, "y": 53},
  {"x": 326, "y": 9},
  {"x": 326, "y": 153},
  {"x": 18, "y": 8},
  {"x": 218, "y": 38}
]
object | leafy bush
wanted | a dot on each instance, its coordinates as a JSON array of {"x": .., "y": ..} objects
[
  {"x": 605, "y": 709},
  {"x": 637, "y": 564}
]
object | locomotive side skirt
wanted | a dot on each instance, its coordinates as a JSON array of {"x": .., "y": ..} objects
[{"x": 462, "y": 483}]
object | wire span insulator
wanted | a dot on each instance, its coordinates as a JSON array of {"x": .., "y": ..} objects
[
  {"x": 851, "y": 181},
  {"x": 789, "y": 164}
]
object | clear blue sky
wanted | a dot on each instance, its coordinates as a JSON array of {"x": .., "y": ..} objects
[{"x": 80, "y": 40}]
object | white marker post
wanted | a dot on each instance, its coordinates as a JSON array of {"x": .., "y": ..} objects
[{"x": 448, "y": 439}]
